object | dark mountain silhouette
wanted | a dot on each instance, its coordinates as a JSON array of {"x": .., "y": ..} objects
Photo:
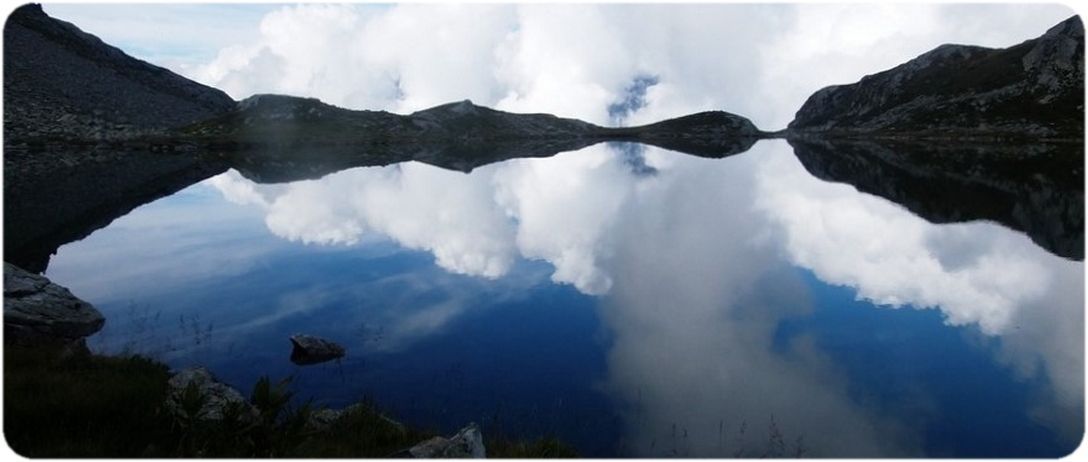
[
  {"x": 62, "y": 83},
  {"x": 1034, "y": 90}
]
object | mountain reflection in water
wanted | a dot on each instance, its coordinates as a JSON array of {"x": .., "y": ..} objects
[{"x": 632, "y": 301}]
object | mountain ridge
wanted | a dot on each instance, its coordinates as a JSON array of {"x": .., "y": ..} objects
[
  {"x": 1028, "y": 91},
  {"x": 64, "y": 83},
  {"x": 1032, "y": 90}
]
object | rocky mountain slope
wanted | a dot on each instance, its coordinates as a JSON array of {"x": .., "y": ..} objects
[
  {"x": 278, "y": 120},
  {"x": 62, "y": 83},
  {"x": 1031, "y": 90},
  {"x": 274, "y": 138}
]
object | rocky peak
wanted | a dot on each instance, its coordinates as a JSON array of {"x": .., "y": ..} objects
[
  {"x": 1032, "y": 90},
  {"x": 269, "y": 106},
  {"x": 452, "y": 110},
  {"x": 464, "y": 107},
  {"x": 61, "y": 82},
  {"x": 1057, "y": 58}
]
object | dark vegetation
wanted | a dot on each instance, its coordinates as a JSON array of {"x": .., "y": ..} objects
[{"x": 64, "y": 404}]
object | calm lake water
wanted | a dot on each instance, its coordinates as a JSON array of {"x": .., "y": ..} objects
[{"x": 629, "y": 300}]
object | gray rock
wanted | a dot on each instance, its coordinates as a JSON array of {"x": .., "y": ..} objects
[
  {"x": 312, "y": 350},
  {"x": 322, "y": 419},
  {"x": 1031, "y": 90},
  {"x": 217, "y": 396},
  {"x": 52, "y": 67},
  {"x": 35, "y": 309},
  {"x": 466, "y": 444}
]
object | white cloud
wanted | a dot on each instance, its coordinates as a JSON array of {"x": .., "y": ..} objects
[
  {"x": 975, "y": 273},
  {"x": 760, "y": 61},
  {"x": 422, "y": 207},
  {"x": 566, "y": 208},
  {"x": 895, "y": 258},
  {"x": 473, "y": 224}
]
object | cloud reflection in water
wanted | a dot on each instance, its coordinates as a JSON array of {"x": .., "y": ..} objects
[{"x": 694, "y": 267}]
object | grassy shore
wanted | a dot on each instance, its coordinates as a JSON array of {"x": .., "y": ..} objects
[{"x": 85, "y": 405}]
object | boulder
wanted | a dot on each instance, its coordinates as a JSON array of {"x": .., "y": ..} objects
[
  {"x": 323, "y": 419},
  {"x": 36, "y": 309},
  {"x": 216, "y": 397},
  {"x": 312, "y": 350},
  {"x": 467, "y": 443}
]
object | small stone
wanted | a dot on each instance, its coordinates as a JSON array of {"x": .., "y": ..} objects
[
  {"x": 312, "y": 350},
  {"x": 466, "y": 444}
]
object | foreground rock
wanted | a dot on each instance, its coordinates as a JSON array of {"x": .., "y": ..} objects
[
  {"x": 325, "y": 418},
  {"x": 1031, "y": 90},
  {"x": 466, "y": 444},
  {"x": 312, "y": 350},
  {"x": 37, "y": 310},
  {"x": 216, "y": 399}
]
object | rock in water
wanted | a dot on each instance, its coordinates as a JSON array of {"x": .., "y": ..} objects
[
  {"x": 35, "y": 309},
  {"x": 466, "y": 444},
  {"x": 312, "y": 350},
  {"x": 215, "y": 398},
  {"x": 1031, "y": 90}
]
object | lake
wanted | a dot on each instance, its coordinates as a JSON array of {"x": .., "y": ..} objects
[{"x": 629, "y": 300}]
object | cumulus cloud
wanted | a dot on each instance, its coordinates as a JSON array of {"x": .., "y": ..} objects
[
  {"x": 560, "y": 209},
  {"x": 976, "y": 274},
  {"x": 895, "y": 258},
  {"x": 692, "y": 322},
  {"x": 761, "y": 61},
  {"x": 447, "y": 213},
  {"x": 678, "y": 255}
]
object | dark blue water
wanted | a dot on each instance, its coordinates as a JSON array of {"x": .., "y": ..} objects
[{"x": 661, "y": 306}]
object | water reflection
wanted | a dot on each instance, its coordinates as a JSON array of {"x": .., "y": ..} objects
[
  {"x": 714, "y": 279},
  {"x": 1033, "y": 188}
]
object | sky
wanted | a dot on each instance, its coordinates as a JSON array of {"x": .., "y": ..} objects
[{"x": 652, "y": 61}]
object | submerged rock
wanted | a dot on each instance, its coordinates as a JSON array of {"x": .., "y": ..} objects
[
  {"x": 312, "y": 350},
  {"x": 36, "y": 309},
  {"x": 216, "y": 399},
  {"x": 467, "y": 443}
]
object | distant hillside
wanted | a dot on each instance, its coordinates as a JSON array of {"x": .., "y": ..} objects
[
  {"x": 278, "y": 121},
  {"x": 1031, "y": 90},
  {"x": 60, "y": 82}
]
